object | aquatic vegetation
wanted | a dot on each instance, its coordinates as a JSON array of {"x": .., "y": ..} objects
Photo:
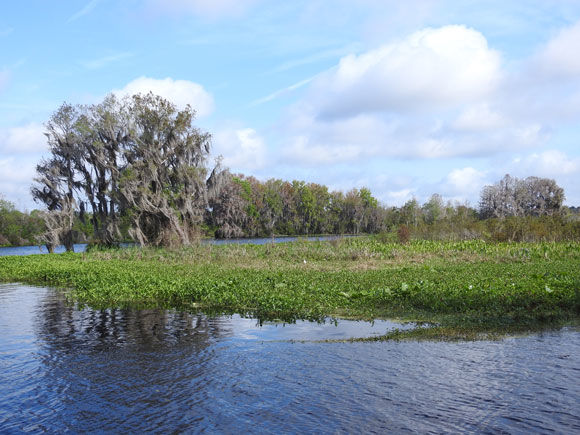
[{"x": 469, "y": 283}]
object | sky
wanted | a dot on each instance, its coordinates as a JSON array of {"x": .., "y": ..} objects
[{"x": 406, "y": 98}]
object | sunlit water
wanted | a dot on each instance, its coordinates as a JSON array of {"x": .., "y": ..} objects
[{"x": 64, "y": 368}]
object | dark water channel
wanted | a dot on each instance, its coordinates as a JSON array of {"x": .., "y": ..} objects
[{"x": 68, "y": 369}]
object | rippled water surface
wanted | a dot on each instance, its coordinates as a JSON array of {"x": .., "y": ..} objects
[{"x": 63, "y": 368}]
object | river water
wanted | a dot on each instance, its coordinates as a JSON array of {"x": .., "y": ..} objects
[
  {"x": 81, "y": 247},
  {"x": 63, "y": 368}
]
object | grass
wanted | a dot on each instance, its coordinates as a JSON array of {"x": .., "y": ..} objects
[{"x": 466, "y": 288}]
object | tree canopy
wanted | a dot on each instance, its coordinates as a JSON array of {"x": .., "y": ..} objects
[
  {"x": 16, "y": 227},
  {"x": 512, "y": 196},
  {"x": 138, "y": 159}
]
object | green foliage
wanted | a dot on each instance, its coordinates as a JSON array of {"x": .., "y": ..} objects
[
  {"x": 246, "y": 188},
  {"x": 367, "y": 199},
  {"x": 471, "y": 282},
  {"x": 18, "y": 228},
  {"x": 296, "y": 208}
]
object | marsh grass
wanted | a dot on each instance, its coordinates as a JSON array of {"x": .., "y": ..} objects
[
  {"x": 368, "y": 253},
  {"x": 471, "y": 285}
]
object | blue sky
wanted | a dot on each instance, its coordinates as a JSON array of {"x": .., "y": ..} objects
[{"x": 406, "y": 98}]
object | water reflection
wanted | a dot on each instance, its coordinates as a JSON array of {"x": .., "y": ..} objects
[
  {"x": 65, "y": 368},
  {"x": 64, "y": 324}
]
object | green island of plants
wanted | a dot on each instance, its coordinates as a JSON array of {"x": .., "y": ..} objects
[{"x": 464, "y": 289}]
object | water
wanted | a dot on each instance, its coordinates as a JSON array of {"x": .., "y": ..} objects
[
  {"x": 32, "y": 250},
  {"x": 81, "y": 247},
  {"x": 81, "y": 370}
]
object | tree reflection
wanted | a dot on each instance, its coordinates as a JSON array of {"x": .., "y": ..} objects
[
  {"x": 106, "y": 367},
  {"x": 61, "y": 324}
]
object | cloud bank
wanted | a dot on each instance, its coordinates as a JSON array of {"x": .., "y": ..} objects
[
  {"x": 432, "y": 68},
  {"x": 439, "y": 93}
]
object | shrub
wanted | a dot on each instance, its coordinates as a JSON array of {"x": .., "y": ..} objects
[{"x": 404, "y": 234}]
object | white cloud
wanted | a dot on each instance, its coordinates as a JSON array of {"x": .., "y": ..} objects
[
  {"x": 426, "y": 136},
  {"x": 179, "y": 92},
  {"x": 21, "y": 149},
  {"x": 479, "y": 117},
  {"x": 430, "y": 68},
  {"x": 559, "y": 57},
  {"x": 25, "y": 139},
  {"x": 312, "y": 154},
  {"x": 313, "y": 142},
  {"x": 436, "y": 94},
  {"x": 464, "y": 183},
  {"x": 213, "y": 9},
  {"x": 550, "y": 163},
  {"x": 398, "y": 197},
  {"x": 241, "y": 148},
  {"x": 16, "y": 176},
  {"x": 545, "y": 87},
  {"x": 18, "y": 171}
]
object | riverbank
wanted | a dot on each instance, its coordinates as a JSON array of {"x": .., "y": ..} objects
[{"x": 464, "y": 286}]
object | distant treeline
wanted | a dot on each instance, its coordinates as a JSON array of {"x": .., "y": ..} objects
[
  {"x": 137, "y": 169},
  {"x": 248, "y": 207}
]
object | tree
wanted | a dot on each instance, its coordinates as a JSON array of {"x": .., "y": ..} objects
[
  {"x": 163, "y": 184},
  {"x": 271, "y": 214},
  {"x": 543, "y": 196},
  {"x": 512, "y": 196},
  {"x": 56, "y": 178},
  {"x": 336, "y": 223},
  {"x": 139, "y": 158},
  {"x": 433, "y": 209},
  {"x": 322, "y": 210},
  {"x": 353, "y": 211},
  {"x": 410, "y": 213},
  {"x": 371, "y": 219},
  {"x": 227, "y": 207},
  {"x": 305, "y": 206}
]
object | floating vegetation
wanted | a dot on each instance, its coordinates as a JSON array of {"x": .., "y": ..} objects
[{"x": 472, "y": 285}]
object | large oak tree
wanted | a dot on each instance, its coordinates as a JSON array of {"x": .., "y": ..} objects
[{"x": 139, "y": 159}]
